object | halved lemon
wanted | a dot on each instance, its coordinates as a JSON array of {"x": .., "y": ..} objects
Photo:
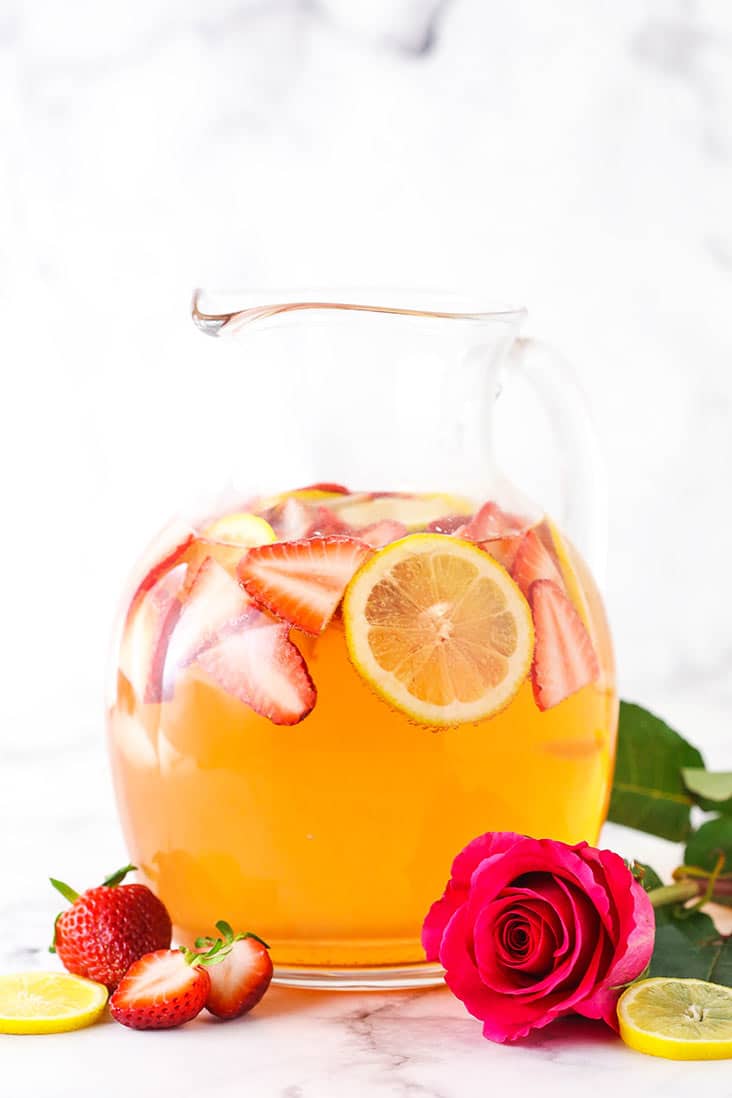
[
  {"x": 677, "y": 1019},
  {"x": 48, "y": 1002},
  {"x": 439, "y": 629},
  {"x": 241, "y": 529}
]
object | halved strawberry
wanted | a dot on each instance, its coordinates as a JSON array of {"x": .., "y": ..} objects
[
  {"x": 302, "y": 581},
  {"x": 241, "y": 979},
  {"x": 564, "y": 659},
  {"x": 379, "y": 534},
  {"x": 533, "y": 561},
  {"x": 491, "y": 521},
  {"x": 254, "y": 660},
  {"x": 214, "y": 599},
  {"x": 162, "y": 990}
]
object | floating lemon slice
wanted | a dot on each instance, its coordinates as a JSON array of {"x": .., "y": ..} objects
[
  {"x": 574, "y": 588},
  {"x": 439, "y": 629},
  {"x": 241, "y": 529},
  {"x": 584, "y": 595},
  {"x": 48, "y": 1002},
  {"x": 308, "y": 495},
  {"x": 677, "y": 1019},
  {"x": 415, "y": 512}
]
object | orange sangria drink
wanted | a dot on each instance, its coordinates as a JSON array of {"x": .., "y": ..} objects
[{"x": 323, "y": 695}]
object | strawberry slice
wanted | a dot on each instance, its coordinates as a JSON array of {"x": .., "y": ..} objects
[
  {"x": 162, "y": 990},
  {"x": 214, "y": 599},
  {"x": 241, "y": 979},
  {"x": 447, "y": 524},
  {"x": 564, "y": 659},
  {"x": 290, "y": 520},
  {"x": 148, "y": 628},
  {"x": 326, "y": 486},
  {"x": 491, "y": 521},
  {"x": 161, "y": 566},
  {"x": 326, "y": 522},
  {"x": 302, "y": 581},
  {"x": 379, "y": 534},
  {"x": 533, "y": 561},
  {"x": 254, "y": 660}
]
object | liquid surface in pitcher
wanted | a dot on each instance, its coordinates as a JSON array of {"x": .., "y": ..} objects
[{"x": 323, "y": 695}]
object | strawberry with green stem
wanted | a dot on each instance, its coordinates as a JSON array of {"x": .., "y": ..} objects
[{"x": 109, "y": 927}]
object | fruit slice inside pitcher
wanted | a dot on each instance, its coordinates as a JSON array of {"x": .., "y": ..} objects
[{"x": 439, "y": 629}]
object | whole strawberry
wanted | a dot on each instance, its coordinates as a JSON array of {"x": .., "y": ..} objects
[{"x": 109, "y": 927}]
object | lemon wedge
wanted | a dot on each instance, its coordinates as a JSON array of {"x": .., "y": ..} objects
[
  {"x": 48, "y": 1002},
  {"x": 439, "y": 629},
  {"x": 677, "y": 1019}
]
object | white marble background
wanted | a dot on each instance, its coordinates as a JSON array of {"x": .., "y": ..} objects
[{"x": 574, "y": 156}]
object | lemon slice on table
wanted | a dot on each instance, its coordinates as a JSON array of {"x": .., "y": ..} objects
[
  {"x": 439, "y": 629},
  {"x": 48, "y": 1002},
  {"x": 415, "y": 512},
  {"x": 241, "y": 529},
  {"x": 677, "y": 1019}
]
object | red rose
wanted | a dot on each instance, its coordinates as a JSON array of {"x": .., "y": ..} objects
[{"x": 531, "y": 929}]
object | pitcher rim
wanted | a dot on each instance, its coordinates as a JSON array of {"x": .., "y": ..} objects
[{"x": 265, "y": 303}]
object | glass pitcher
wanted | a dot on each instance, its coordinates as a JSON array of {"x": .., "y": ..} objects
[{"x": 370, "y": 648}]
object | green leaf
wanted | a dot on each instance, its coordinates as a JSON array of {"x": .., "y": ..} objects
[
  {"x": 712, "y": 790},
  {"x": 648, "y": 877},
  {"x": 116, "y": 878},
  {"x": 688, "y": 945},
  {"x": 705, "y": 845},
  {"x": 648, "y": 791},
  {"x": 225, "y": 930},
  {"x": 66, "y": 891}
]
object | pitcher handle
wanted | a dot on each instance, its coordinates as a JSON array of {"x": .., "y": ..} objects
[{"x": 583, "y": 474}]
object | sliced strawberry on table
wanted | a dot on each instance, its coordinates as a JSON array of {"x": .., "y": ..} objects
[
  {"x": 564, "y": 658},
  {"x": 241, "y": 979},
  {"x": 214, "y": 599},
  {"x": 303, "y": 581},
  {"x": 533, "y": 561},
  {"x": 162, "y": 990},
  {"x": 253, "y": 660},
  {"x": 379, "y": 534}
]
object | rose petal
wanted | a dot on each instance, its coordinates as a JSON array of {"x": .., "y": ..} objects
[
  {"x": 536, "y": 856},
  {"x": 491, "y": 965},
  {"x": 634, "y": 940},
  {"x": 503, "y": 1018},
  {"x": 438, "y": 916}
]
